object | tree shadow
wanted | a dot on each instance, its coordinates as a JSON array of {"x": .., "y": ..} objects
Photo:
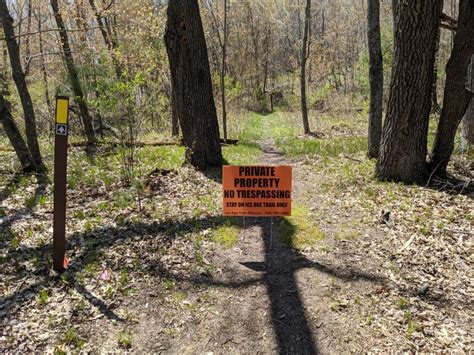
[
  {"x": 292, "y": 328},
  {"x": 452, "y": 186}
]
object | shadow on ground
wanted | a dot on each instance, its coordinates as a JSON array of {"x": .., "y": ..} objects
[
  {"x": 289, "y": 319},
  {"x": 290, "y": 323}
]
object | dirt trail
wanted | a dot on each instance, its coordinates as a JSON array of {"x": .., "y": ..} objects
[{"x": 264, "y": 297}]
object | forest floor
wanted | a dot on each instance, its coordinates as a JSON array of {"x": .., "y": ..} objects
[{"x": 155, "y": 268}]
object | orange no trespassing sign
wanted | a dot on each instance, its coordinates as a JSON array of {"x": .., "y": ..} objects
[{"x": 257, "y": 190}]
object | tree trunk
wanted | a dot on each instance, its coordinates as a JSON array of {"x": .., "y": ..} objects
[
  {"x": 191, "y": 84},
  {"x": 223, "y": 71},
  {"x": 43, "y": 67},
  {"x": 468, "y": 126},
  {"x": 375, "y": 78},
  {"x": 73, "y": 76},
  {"x": 404, "y": 142},
  {"x": 27, "y": 40},
  {"x": 20, "y": 82},
  {"x": 14, "y": 136},
  {"x": 456, "y": 95},
  {"x": 10, "y": 127},
  {"x": 109, "y": 43},
  {"x": 304, "y": 58}
]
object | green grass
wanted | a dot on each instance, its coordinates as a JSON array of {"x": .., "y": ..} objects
[
  {"x": 43, "y": 296},
  {"x": 242, "y": 153},
  {"x": 72, "y": 338},
  {"x": 226, "y": 235},
  {"x": 332, "y": 147},
  {"x": 299, "y": 231},
  {"x": 248, "y": 128},
  {"x": 125, "y": 339}
]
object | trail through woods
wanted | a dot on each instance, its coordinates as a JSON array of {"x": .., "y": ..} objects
[
  {"x": 267, "y": 297},
  {"x": 177, "y": 277}
]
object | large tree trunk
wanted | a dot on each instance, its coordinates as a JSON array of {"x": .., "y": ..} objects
[
  {"x": 456, "y": 95},
  {"x": 303, "y": 60},
  {"x": 73, "y": 76},
  {"x": 191, "y": 84},
  {"x": 468, "y": 126},
  {"x": 20, "y": 82},
  {"x": 375, "y": 78},
  {"x": 404, "y": 142}
]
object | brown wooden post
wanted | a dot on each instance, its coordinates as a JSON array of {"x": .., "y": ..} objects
[{"x": 60, "y": 180}]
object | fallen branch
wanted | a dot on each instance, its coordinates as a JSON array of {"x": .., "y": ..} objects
[
  {"x": 353, "y": 159},
  {"x": 126, "y": 144},
  {"x": 458, "y": 231}
]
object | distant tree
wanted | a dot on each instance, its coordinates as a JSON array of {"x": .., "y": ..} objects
[
  {"x": 20, "y": 82},
  {"x": 191, "y": 84},
  {"x": 223, "y": 73},
  {"x": 375, "y": 78},
  {"x": 109, "y": 40},
  {"x": 456, "y": 95},
  {"x": 73, "y": 75},
  {"x": 222, "y": 40},
  {"x": 405, "y": 134},
  {"x": 304, "y": 58}
]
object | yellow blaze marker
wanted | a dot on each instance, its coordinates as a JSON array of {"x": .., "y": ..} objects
[{"x": 62, "y": 108}]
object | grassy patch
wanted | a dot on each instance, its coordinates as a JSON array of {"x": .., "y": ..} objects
[
  {"x": 248, "y": 128},
  {"x": 72, "y": 338},
  {"x": 242, "y": 153},
  {"x": 332, "y": 147},
  {"x": 299, "y": 230},
  {"x": 226, "y": 235},
  {"x": 125, "y": 339}
]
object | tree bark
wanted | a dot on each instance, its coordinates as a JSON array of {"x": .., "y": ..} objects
[
  {"x": 191, "y": 84},
  {"x": 404, "y": 142},
  {"x": 468, "y": 125},
  {"x": 73, "y": 75},
  {"x": 375, "y": 78},
  {"x": 304, "y": 58},
  {"x": 456, "y": 95},
  {"x": 20, "y": 82},
  {"x": 174, "y": 118}
]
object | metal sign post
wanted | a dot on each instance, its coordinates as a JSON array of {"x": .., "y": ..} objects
[{"x": 60, "y": 180}]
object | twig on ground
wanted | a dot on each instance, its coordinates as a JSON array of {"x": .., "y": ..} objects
[{"x": 353, "y": 159}]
